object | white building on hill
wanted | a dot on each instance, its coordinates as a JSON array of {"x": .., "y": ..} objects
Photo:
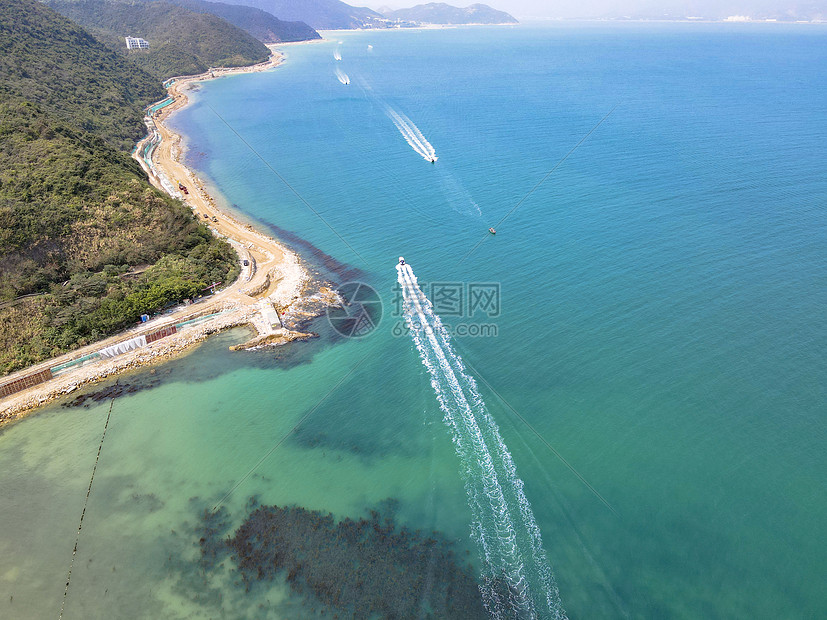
[{"x": 136, "y": 43}]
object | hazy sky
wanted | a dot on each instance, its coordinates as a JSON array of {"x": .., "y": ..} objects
[{"x": 522, "y": 9}]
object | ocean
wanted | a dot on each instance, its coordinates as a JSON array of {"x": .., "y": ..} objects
[{"x": 612, "y": 407}]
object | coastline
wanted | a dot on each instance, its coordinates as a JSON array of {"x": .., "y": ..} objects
[{"x": 273, "y": 280}]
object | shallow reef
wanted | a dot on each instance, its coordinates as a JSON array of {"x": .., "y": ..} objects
[
  {"x": 116, "y": 390},
  {"x": 354, "y": 568}
]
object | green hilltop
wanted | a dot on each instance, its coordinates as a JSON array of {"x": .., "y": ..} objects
[
  {"x": 181, "y": 42},
  {"x": 262, "y": 25},
  {"x": 81, "y": 230},
  {"x": 55, "y": 64}
]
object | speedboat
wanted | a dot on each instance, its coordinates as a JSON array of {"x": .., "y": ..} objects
[
  {"x": 401, "y": 260},
  {"x": 492, "y": 231}
]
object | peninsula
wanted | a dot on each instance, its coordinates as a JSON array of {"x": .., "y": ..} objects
[{"x": 58, "y": 325}]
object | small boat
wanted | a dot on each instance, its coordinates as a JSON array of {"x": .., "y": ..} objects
[
  {"x": 401, "y": 260},
  {"x": 492, "y": 231}
]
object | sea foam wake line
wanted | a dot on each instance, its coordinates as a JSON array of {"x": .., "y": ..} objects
[
  {"x": 517, "y": 578},
  {"x": 342, "y": 76},
  {"x": 411, "y": 134}
]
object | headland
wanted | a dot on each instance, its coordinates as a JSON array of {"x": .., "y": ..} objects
[{"x": 273, "y": 282}]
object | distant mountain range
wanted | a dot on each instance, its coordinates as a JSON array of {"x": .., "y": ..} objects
[
  {"x": 441, "y": 13},
  {"x": 336, "y": 15},
  {"x": 712, "y": 10},
  {"x": 320, "y": 14},
  {"x": 264, "y": 26},
  {"x": 780, "y": 10}
]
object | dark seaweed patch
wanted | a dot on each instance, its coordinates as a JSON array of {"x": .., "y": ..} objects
[
  {"x": 196, "y": 158},
  {"x": 314, "y": 435},
  {"x": 116, "y": 390},
  {"x": 149, "y": 501},
  {"x": 360, "y": 568},
  {"x": 214, "y": 530},
  {"x": 343, "y": 271}
]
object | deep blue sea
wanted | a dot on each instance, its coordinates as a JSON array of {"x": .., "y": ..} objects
[{"x": 630, "y": 418}]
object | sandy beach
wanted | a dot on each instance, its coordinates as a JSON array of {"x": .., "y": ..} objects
[{"x": 272, "y": 282}]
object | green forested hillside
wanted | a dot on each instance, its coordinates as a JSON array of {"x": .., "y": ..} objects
[
  {"x": 55, "y": 63},
  {"x": 181, "y": 42},
  {"x": 262, "y": 25},
  {"x": 320, "y": 14},
  {"x": 77, "y": 215}
]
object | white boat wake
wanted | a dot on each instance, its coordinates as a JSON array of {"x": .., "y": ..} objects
[
  {"x": 337, "y": 55},
  {"x": 517, "y": 579},
  {"x": 456, "y": 195},
  {"x": 342, "y": 76},
  {"x": 411, "y": 134}
]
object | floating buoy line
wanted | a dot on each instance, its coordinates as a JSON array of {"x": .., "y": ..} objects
[{"x": 83, "y": 514}]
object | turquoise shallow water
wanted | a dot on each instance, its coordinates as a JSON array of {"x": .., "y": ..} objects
[{"x": 661, "y": 325}]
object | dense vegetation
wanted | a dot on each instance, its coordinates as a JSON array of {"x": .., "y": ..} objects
[
  {"x": 77, "y": 215},
  {"x": 262, "y": 25},
  {"x": 90, "y": 306},
  {"x": 181, "y": 42},
  {"x": 71, "y": 77}
]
